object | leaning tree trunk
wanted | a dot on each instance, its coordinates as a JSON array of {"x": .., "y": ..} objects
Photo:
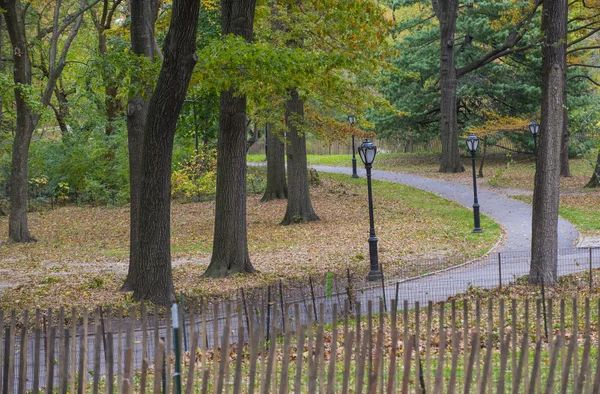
[
  {"x": 142, "y": 43},
  {"x": 546, "y": 192},
  {"x": 595, "y": 179},
  {"x": 153, "y": 276},
  {"x": 276, "y": 183},
  {"x": 18, "y": 229},
  {"x": 230, "y": 244},
  {"x": 446, "y": 12},
  {"x": 299, "y": 208}
]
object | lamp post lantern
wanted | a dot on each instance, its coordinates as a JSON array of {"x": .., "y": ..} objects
[
  {"x": 367, "y": 151},
  {"x": 534, "y": 129},
  {"x": 351, "y": 119},
  {"x": 472, "y": 142}
]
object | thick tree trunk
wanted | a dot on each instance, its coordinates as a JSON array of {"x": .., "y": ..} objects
[
  {"x": 276, "y": 183},
  {"x": 446, "y": 11},
  {"x": 142, "y": 42},
  {"x": 544, "y": 239},
  {"x": 153, "y": 279},
  {"x": 18, "y": 230},
  {"x": 230, "y": 244},
  {"x": 299, "y": 208},
  {"x": 595, "y": 179}
]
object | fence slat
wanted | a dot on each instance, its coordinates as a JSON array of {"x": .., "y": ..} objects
[
  {"x": 407, "y": 362},
  {"x": 360, "y": 368},
  {"x": 470, "y": 365},
  {"x": 567, "y": 367},
  {"x": 579, "y": 384},
  {"x": 501, "y": 386},
  {"x": 552, "y": 369},
  {"x": 23, "y": 360},
  {"x": 536, "y": 365},
  {"x": 348, "y": 345},
  {"x": 50, "y": 365},
  {"x": 189, "y": 387},
  {"x": 36, "y": 350},
  {"x": 83, "y": 346},
  {"x": 73, "y": 356},
  {"x": 519, "y": 371},
  {"x": 332, "y": 357}
]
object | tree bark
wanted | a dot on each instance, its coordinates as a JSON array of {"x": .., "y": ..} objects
[
  {"x": 595, "y": 179},
  {"x": 276, "y": 182},
  {"x": 18, "y": 229},
  {"x": 299, "y": 207},
  {"x": 446, "y": 12},
  {"x": 142, "y": 43},
  {"x": 546, "y": 193},
  {"x": 565, "y": 170},
  {"x": 153, "y": 279},
  {"x": 230, "y": 244}
]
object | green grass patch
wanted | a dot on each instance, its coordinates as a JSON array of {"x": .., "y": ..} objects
[{"x": 582, "y": 210}]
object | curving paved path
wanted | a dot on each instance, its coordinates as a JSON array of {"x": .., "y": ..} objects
[
  {"x": 510, "y": 259},
  {"x": 513, "y": 215}
]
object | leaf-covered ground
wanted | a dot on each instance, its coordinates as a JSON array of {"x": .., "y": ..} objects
[{"x": 81, "y": 254}]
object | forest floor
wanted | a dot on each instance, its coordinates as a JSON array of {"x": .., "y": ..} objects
[
  {"x": 505, "y": 174},
  {"x": 80, "y": 258}
]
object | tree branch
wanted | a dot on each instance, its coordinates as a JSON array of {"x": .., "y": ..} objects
[
  {"x": 513, "y": 38},
  {"x": 583, "y": 49},
  {"x": 584, "y": 77}
]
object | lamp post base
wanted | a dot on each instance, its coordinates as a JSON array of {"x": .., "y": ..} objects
[
  {"x": 477, "y": 230},
  {"x": 354, "y": 173},
  {"x": 374, "y": 275}
]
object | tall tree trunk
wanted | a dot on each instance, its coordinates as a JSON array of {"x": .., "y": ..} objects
[
  {"x": 153, "y": 280},
  {"x": 595, "y": 179},
  {"x": 565, "y": 171},
  {"x": 18, "y": 229},
  {"x": 299, "y": 208},
  {"x": 276, "y": 183},
  {"x": 142, "y": 43},
  {"x": 230, "y": 244},
  {"x": 446, "y": 12},
  {"x": 546, "y": 193}
]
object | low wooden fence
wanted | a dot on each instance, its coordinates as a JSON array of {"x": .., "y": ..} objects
[{"x": 471, "y": 345}]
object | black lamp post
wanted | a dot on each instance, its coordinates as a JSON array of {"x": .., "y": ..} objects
[
  {"x": 472, "y": 142},
  {"x": 534, "y": 128},
  {"x": 351, "y": 119},
  {"x": 367, "y": 151}
]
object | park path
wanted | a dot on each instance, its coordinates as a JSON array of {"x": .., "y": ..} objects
[
  {"x": 510, "y": 259},
  {"x": 486, "y": 272},
  {"x": 513, "y": 215}
]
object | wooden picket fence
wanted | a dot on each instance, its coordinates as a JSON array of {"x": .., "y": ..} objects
[{"x": 467, "y": 346}]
